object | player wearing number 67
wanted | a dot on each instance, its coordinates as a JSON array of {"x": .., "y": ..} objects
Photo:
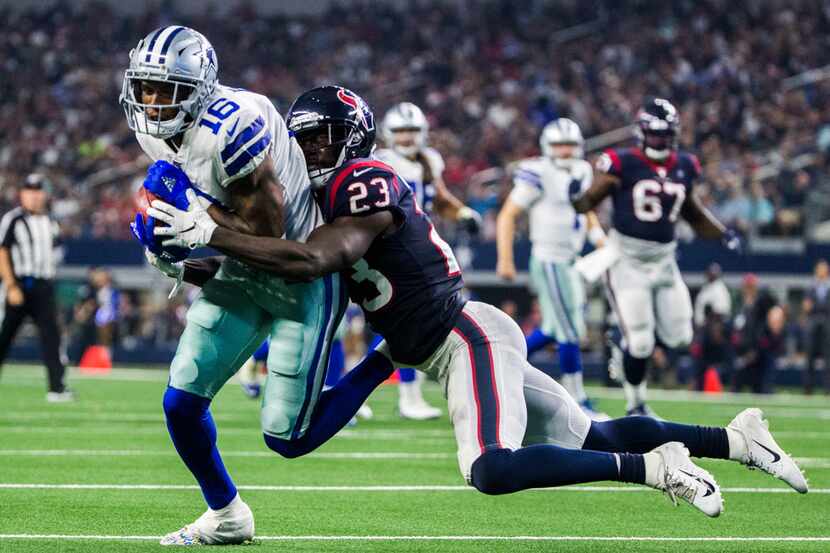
[
  {"x": 651, "y": 188},
  {"x": 515, "y": 427}
]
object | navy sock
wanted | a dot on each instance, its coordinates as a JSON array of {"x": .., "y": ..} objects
[
  {"x": 570, "y": 358},
  {"x": 634, "y": 368},
  {"x": 537, "y": 340},
  {"x": 337, "y": 363},
  {"x": 642, "y": 434},
  {"x": 500, "y": 471},
  {"x": 407, "y": 375},
  {"x": 193, "y": 433},
  {"x": 632, "y": 468},
  {"x": 336, "y": 406}
]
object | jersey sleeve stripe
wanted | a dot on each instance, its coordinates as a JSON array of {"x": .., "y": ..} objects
[
  {"x": 242, "y": 138},
  {"x": 245, "y": 157},
  {"x": 532, "y": 179},
  {"x": 615, "y": 159}
]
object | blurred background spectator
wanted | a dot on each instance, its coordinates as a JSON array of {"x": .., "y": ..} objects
[
  {"x": 816, "y": 307},
  {"x": 758, "y": 337},
  {"x": 488, "y": 75}
]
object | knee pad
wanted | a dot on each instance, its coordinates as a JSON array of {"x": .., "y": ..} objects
[
  {"x": 179, "y": 404},
  {"x": 490, "y": 473},
  {"x": 640, "y": 344}
]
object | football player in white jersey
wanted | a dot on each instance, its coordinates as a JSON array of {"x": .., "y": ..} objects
[
  {"x": 234, "y": 148},
  {"x": 405, "y": 131},
  {"x": 557, "y": 234}
]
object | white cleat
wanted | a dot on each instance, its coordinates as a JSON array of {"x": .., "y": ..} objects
[
  {"x": 418, "y": 410},
  {"x": 763, "y": 452},
  {"x": 680, "y": 478},
  {"x": 233, "y": 524},
  {"x": 66, "y": 396},
  {"x": 365, "y": 412}
]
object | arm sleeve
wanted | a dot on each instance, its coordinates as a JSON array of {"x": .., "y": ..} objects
[
  {"x": 609, "y": 162},
  {"x": 373, "y": 189},
  {"x": 244, "y": 142},
  {"x": 527, "y": 187}
]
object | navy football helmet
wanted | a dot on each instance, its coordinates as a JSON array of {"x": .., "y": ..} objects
[
  {"x": 332, "y": 124},
  {"x": 658, "y": 124}
]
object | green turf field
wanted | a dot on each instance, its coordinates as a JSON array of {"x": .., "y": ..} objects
[{"x": 101, "y": 475}]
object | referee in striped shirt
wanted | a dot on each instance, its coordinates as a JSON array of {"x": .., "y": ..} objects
[{"x": 28, "y": 256}]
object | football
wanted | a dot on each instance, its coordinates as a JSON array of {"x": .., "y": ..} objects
[{"x": 172, "y": 254}]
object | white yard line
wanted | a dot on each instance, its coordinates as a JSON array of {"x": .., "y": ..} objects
[
  {"x": 446, "y": 538},
  {"x": 269, "y": 454},
  {"x": 392, "y": 488},
  {"x": 808, "y": 462}
]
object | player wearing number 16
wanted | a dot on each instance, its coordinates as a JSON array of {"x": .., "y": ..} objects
[
  {"x": 651, "y": 188},
  {"x": 234, "y": 148}
]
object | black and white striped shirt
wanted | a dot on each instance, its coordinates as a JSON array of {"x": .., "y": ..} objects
[{"x": 32, "y": 241}]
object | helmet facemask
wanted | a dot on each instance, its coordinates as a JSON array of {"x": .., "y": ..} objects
[
  {"x": 172, "y": 111},
  {"x": 411, "y": 148},
  {"x": 657, "y": 144},
  {"x": 325, "y": 147}
]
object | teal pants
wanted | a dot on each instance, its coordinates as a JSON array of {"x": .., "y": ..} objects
[
  {"x": 561, "y": 299},
  {"x": 236, "y": 311}
]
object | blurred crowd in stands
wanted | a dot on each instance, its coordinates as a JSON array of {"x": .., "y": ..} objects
[{"x": 489, "y": 74}]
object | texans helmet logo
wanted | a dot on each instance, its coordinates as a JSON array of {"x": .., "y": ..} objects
[{"x": 358, "y": 107}]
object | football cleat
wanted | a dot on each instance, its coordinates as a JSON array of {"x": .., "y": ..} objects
[
  {"x": 681, "y": 479},
  {"x": 66, "y": 396},
  {"x": 642, "y": 410},
  {"x": 365, "y": 412},
  {"x": 230, "y": 525},
  {"x": 418, "y": 411},
  {"x": 588, "y": 408},
  {"x": 251, "y": 390},
  {"x": 763, "y": 452}
]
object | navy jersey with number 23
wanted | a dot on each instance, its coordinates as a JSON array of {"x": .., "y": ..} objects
[{"x": 408, "y": 282}]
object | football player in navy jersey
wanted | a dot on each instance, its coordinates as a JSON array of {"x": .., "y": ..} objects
[
  {"x": 515, "y": 427},
  {"x": 651, "y": 187}
]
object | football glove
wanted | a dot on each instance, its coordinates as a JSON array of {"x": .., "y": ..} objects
[
  {"x": 469, "y": 219},
  {"x": 186, "y": 229},
  {"x": 732, "y": 241},
  {"x": 173, "y": 270}
]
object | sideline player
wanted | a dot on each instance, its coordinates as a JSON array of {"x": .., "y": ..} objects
[
  {"x": 236, "y": 148},
  {"x": 651, "y": 188},
  {"x": 515, "y": 427},
  {"x": 405, "y": 130},
  {"x": 557, "y": 233}
]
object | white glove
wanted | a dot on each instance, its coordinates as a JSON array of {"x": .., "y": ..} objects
[
  {"x": 187, "y": 229},
  {"x": 173, "y": 270}
]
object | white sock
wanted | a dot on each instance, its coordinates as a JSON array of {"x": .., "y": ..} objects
[
  {"x": 737, "y": 445},
  {"x": 572, "y": 382},
  {"x": 634, "y": 395},
  {"x": 653, "y": 463}
]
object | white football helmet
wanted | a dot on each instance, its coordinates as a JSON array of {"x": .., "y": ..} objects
[
  {"x": 405, "y": 116},
  {"x": 561, "y": 131},
  {"x": 176, "y": 55}
]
